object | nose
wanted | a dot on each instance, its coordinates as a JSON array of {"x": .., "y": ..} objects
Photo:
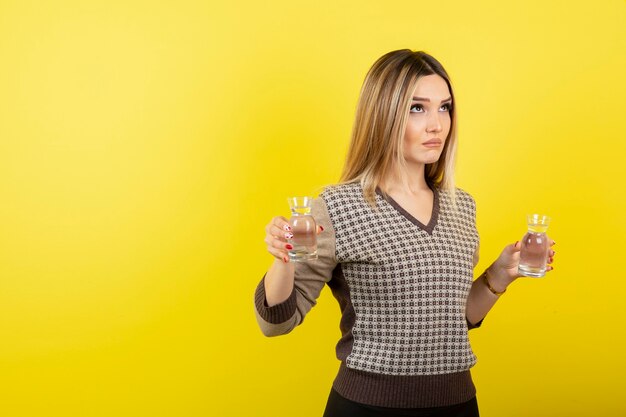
[{"x": 434, "y": 123}]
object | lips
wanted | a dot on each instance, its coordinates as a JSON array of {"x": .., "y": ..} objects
[{"x": 432, "y": 143}]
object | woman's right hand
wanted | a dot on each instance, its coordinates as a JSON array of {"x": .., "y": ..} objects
[{"x": 276, "y": 234}]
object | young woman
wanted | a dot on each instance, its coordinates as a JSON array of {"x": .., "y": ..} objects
[{"x": 397, "y": 248}]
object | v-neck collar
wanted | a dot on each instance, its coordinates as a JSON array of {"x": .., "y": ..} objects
[{"x": 428, "y": 228}]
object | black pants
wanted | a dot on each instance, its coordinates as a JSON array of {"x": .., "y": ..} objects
[{"x": 339, "y": 406}]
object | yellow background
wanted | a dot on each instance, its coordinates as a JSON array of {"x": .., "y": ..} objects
[{"x": 145, "y": 145}]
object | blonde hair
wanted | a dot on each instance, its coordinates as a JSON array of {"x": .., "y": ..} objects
[{"x": 376, "y": 147}]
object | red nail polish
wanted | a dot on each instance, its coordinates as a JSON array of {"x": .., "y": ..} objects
[
  {"x": 285, "y": 259},
  {"x": 321, "y": 228},
  {"x": 289, "y": 247}
]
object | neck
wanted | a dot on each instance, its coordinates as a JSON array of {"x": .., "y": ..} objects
[{"x": 415, "y": 181}]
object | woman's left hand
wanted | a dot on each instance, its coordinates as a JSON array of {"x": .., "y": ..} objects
[{"x": 506, "y": 266}]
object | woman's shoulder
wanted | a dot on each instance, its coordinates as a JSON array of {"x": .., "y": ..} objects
[
  {"x": 461, "y": 197},
  {"x": 464, "y": 195},
  {"x": 342, "y": 190}
]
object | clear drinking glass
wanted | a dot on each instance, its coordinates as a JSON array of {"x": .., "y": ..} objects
[
  {"x": 535, "y": 247},
  {"x": 304, "y": 230}
]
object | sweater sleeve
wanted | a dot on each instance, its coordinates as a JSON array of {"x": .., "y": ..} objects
[{"x": 310, "y": 278}]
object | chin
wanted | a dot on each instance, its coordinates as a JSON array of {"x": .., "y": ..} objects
[{"x": 431, "y": 160}]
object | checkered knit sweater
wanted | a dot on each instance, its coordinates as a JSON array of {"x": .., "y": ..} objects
[{"x": 402, "y": 287}]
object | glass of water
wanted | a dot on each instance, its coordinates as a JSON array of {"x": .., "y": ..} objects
[
  {"x": 535, "y": 247},
  {"x": 303, "y": 228}
]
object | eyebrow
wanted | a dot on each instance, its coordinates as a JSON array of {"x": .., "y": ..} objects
[{"x": 428, "y": 100}]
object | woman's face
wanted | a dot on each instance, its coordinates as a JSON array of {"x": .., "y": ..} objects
[{"x": 429, "y": 121}]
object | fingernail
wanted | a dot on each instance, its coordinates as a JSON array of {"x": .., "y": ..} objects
[
  {"x": 516, "y": 243},
  {"x": 285, "y": 259},
  {"x": 321, "y": 228},
  {"x": 286, "y": 228},
  {"x": 288, "y": 235},
  {"x": 289, "y": 247}
]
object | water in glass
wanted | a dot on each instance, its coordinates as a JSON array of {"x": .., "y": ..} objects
[
  {"x": 304, "y": 230},
  {"x": 535, "y": 247}
]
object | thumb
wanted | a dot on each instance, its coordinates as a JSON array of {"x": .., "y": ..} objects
[{"x": 515, "y": 247}]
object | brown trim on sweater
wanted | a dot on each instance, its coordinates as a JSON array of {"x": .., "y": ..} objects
[
  {"x": 339, "y": 287},
  {"x": 404, "y": 391},
  {"x": 278, "y": 313},
  {"x": 433, "y": 217}
]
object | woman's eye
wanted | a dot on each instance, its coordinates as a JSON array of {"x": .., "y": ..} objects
[{"x": 418, "y": 108}]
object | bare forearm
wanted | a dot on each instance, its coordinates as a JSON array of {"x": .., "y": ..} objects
[
  {"x": 499, "y": 276},
  {"x": 481, "y": 299},
  {"x": 279, "y": 282}
]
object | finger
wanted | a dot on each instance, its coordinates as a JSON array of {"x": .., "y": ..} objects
[
  {"x": 552, "y": 242},
  {"x": 549, "y": 268},
  {"x": 320, "y": 229},
  {"x": 279, "y": 254},
  {"x": 281, "y": 223},
  {"x": 517, "y": 246},
  {"x": 279, "y": 233},
  {"x": 272, "y": 242},
  {"x": 551, "y": 253}
]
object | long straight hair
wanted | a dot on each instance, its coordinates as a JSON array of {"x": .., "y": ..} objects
[{"x": 376, "y": 146}]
